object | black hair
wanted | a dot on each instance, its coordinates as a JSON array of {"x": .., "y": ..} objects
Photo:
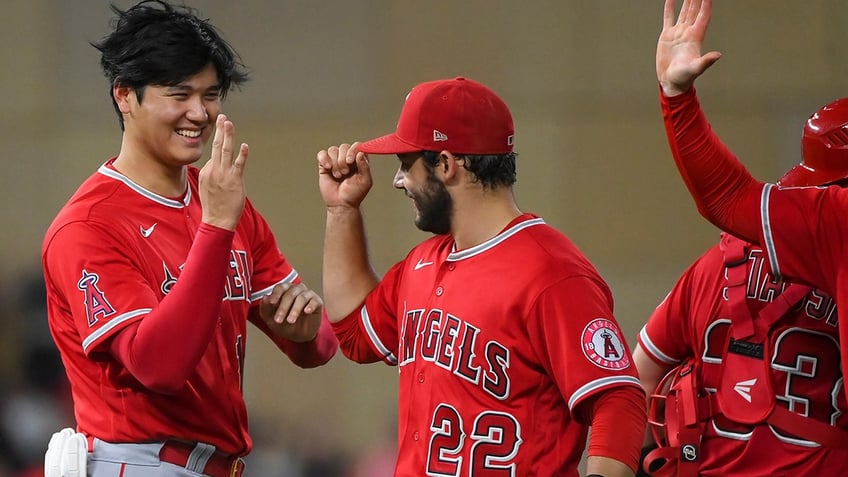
[
  {"x": 156, "y": 43},
  {"x": 492, "y": 171}
]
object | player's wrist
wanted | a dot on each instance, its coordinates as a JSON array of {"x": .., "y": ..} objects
[{"x": 341, "y": 210}]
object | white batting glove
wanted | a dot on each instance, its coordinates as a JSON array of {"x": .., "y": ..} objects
[{"x": 66, "y": 454}]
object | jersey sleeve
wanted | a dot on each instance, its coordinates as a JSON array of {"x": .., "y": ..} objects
[
  {"x": 370, "y": 333},
  {"x": 804, "y": 233},
  {"x": 724, "y": 191},
  {"x": 668, "y": 336},
  {"x": 578, "y": 341},
  {"x": 270, "y": 265},
  {"x": 92, "y": 270}
]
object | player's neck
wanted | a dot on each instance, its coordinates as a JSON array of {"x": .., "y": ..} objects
[
  {"x": 477, "y": 219},
  {"x": 159, "y": 178}
]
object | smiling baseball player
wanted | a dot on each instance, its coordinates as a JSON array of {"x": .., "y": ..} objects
[
  {"x": 502, "y": 331},
  {"x": 154, "y": 267}
]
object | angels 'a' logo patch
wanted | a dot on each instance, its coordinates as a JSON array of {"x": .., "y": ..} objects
[
  {"x": 604, "y": 346},
  {"x": 96, "y": 304}
]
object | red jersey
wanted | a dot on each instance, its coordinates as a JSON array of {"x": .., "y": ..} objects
[
  {"x": 803, "y": 230},
  {"x": 111, "y": 255},
  {"x": 692, "y": 322},
  {"x": 496, "y": 345}
]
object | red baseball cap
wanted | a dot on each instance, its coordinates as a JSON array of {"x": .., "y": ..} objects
[{"x": 458, "y": 115}]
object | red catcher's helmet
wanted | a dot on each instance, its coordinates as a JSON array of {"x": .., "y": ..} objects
[{"x": 824, "y": 148}]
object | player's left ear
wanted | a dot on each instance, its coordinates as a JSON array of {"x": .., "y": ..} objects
[
  {"x": 448, "y": 166},
  {"x": 123, "y": 96}
]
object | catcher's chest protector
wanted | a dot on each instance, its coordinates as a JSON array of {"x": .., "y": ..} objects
[{"x": 679, "y": 410}]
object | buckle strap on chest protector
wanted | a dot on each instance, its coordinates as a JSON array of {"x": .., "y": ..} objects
[{"x": 735, "y": 264}]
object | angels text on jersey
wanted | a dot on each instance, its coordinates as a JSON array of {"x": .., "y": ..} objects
[{"x": 236, "y": 288}]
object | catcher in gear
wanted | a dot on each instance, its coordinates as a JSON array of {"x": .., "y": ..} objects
[
  {"x": 730, "y": 296},
  {"x": 803, "y": 231}
]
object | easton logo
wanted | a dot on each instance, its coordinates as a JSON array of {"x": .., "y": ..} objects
[
  {"x": 744, "y": 388},
  {"x": 604, "y": 346}
]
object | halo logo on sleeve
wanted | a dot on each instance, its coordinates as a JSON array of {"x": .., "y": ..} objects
[
  {"x": 95, "y": 300},
  {"x": 604, "y": 346}
]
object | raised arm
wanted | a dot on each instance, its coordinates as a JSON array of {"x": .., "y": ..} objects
[
  {"x": 724, "y": 191},
  {"x": 344, "y": 178},
  {"x": 179, "y": 330}
]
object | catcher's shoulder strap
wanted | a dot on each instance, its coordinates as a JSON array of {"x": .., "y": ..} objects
[{"x": 737, "y": 268}]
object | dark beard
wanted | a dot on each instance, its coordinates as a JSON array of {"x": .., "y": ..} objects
[{"x": 435, "y": 207}]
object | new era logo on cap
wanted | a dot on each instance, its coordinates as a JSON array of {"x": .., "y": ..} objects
[{"x": 459, "y": 115}]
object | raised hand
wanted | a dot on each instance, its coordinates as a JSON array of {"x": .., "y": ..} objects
[
  {"x": 222, "y": 179},
  {"x": 344, "y": 175},
  {"x": 679, "y": 58}
]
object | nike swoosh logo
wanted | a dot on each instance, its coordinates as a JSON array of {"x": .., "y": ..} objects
[
  {"x": 421, "y": 264},
  {"x": 147, "y": 232}
]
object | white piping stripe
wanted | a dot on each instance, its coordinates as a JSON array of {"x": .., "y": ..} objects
[
  {"x": 372, "y": 334},
  {"x": 144, "y": 192},
  {"x": 651, "y": 348},
  {"x": 111, "y": 325},
  {"x": 768, "y": 238},
  {"x": 257, "y": 295},
  {"x": 494, "y": 241},
  {"x": 592, "y": 386}
]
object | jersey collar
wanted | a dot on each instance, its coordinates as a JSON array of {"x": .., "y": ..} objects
[
  {"x": 176, "y": 204},
  {"x": 455, "y": 256}
]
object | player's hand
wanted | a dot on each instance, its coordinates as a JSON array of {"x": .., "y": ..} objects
[
  {"x": 344, "y": 175},
  {"x": 222, "y": 178},
  {"x": 679, "y": 58},
  {"x": 67, "y": 454},
  {"x": 293, "y": 311}
]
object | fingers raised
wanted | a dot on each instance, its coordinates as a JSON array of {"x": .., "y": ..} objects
[
  {"x": 668, "y": 14},
  {"x": 218, "y": 139}
]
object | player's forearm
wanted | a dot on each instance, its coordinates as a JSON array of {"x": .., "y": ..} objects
[
  {"x": 163, "y": 349},
  {"x": 313, "y": 353},
  {"x": 618, "y": 418},
  {"x": 650, "y": 374},
  {"x": 606, "y": 467},
  {"x": 724, "y": 191},
  {"x": 347, "y": 273}
]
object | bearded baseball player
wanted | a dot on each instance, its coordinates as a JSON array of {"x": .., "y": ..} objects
[
  {"x": 154, "y": 267},
  {"x": 729, "y": 301},
  {"x": 803, "y": 230},
  {"x": 502, "y": 331}
]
